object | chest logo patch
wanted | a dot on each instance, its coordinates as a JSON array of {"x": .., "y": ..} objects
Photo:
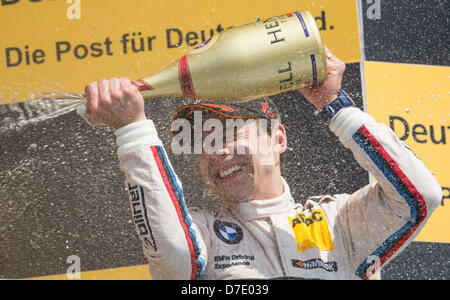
[
  {"x": 312, "y": 231},
  {"x": 229, "y": 233}
]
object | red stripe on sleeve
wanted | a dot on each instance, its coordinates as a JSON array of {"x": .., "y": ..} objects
[
  {"x": 178, "y": 210},
  {"x": 412, "y": 189}
]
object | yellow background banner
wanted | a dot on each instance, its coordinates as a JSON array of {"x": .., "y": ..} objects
[
  {"x": 414, "y": 100},
  {"x": 62, "y": 45},
  {"x": 126, "y": 273}
]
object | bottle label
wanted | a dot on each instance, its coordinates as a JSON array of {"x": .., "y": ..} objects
[
  {"x": 142, "y": 85},
  {"x": 314, "y": 69},
  {"x": 205, "y": 45},
  {"x": 184, "y": 74},
  {"x": 302, "y": 21}
]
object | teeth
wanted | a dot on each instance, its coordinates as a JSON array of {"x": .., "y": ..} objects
[{"x": 230, "y": 171}]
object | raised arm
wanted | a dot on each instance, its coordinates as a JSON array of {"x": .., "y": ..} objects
[
  {"x": 171, "y": 241},
  {"x": 379, "y": 220}
]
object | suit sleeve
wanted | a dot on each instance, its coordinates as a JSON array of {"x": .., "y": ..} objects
[
  {"x": 379, "y": 220},
  {"x": 171, "y": 240}
]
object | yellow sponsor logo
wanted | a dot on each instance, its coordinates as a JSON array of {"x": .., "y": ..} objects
[{"x": 312, "y": 231}]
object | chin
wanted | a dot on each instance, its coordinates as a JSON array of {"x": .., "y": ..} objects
[{"x": 237, "y": 191}]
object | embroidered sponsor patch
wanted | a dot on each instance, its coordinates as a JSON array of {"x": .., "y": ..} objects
[
  {"x": 316, "y": 263},
  {"x": 229, "y": 233},
  {"x": 140, "y": 217},
  {"x": 228, "y": 261},
  {"x": 312, "y": 231}
]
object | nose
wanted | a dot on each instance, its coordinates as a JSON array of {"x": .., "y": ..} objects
[
  {"x": 224, "y": 151},
  {"x": 217, "y": 147},
  {"x": 219, "y": 154}
]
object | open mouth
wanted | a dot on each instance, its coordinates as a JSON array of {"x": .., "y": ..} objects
[{"x": 230, "y": 171}]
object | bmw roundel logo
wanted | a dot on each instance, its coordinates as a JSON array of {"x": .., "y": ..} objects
[{"x": 229, "y": 233}]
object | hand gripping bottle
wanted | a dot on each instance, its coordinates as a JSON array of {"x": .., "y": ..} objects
[{"x": 243, "y": 63}]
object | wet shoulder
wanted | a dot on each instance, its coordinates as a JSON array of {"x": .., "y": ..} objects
[
  {"x": 329, "y": 204},
  {"x": 205, "y": 217}
]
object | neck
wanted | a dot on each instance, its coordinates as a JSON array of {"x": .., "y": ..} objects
[{"x": 268, "y": 187}]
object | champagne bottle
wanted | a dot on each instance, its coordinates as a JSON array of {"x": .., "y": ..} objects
[{"x": 244, "y": 63}]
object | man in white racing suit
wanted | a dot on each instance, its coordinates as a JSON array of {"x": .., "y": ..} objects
[{"x": 262, "y": 232}]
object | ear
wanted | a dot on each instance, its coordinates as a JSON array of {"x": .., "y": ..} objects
[{"x": 279, "y": 138}]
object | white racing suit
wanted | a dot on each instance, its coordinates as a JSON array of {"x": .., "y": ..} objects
[{"x": 346, "y": 236}]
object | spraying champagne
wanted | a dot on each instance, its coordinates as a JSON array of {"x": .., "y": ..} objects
[{"x": 244, "y": 63}]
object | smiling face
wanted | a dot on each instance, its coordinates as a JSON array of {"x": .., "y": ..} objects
[{"x": 246, "y": 165}]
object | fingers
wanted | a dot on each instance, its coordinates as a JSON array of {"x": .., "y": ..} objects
[
  {"x": 91, "y": 92},
  {"x": 115, "y": 90},
  {"x": 102, "y": 92},
  {"x": 328, "y": 53},
  {"x": 104, "y": 96},
  {"x": 127, "y": 87},
  {"x": 114, "y": 102},
  {"x": 124, "y": 82},
  {"x": 335, "y": 63}
]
